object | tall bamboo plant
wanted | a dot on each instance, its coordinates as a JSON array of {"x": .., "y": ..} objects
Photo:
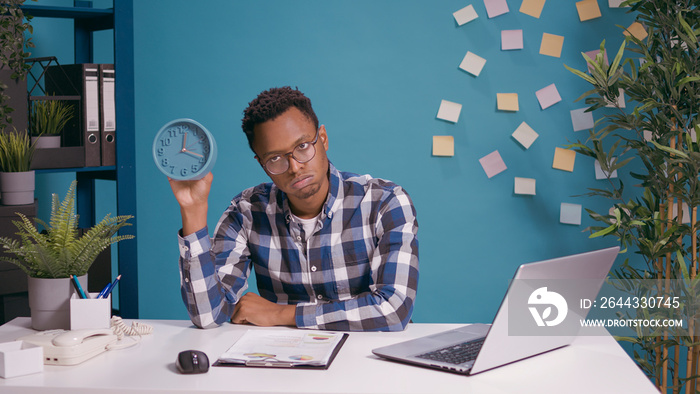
[{"x": 655, "y": 142}]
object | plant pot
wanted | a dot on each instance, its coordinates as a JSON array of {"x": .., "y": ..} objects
[
  {"x": 17, "y": 188},
  {"x": 47, "y": 141},
  {"x": 49, "y": 302}
]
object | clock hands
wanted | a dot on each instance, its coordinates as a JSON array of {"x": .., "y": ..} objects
[{"x": 184, "y": 147}]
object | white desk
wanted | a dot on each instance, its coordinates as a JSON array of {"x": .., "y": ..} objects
[{"x": 590, "y": 365}]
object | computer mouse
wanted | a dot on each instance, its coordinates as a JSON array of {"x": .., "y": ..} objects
[{"x": 192, "y": 361}]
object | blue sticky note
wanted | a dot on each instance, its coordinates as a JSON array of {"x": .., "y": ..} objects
[{"x": 581, "y": 119}]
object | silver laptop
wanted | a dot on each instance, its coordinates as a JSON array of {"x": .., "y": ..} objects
[{"x": 477, "y": 348}]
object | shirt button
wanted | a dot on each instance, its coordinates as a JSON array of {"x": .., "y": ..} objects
[
  {"x": 313, "y": 268},
  {"x": 320, "y": 297},
  {"x": 187, "y": 280},
  {"x": 298, "y": 238}
]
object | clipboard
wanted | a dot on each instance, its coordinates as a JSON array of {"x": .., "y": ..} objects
[{"x": 275, "y": 363}]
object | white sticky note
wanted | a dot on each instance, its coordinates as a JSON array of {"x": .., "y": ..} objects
[
  {"x": 524, "y": 186},
  {"x": 686, "y": 212},
  {"x": 581, "y": 119},
  {"x": 472, "y": 63},
  {"x": 449, "y": 111},
  {"x": 600, "y": 174},
  {"x": 570, "y": 213},
  {"x": 511, "y": 39},
  {"x": 548, "y": 96},
  {"x": 465, "y": 15},
  {"x": 525, "y": 135},
  {"x": 615, "y": 3},
  {"x": 620, "y": 100},
  {"x": 495, "y": 8},
  {"x": 493, "y": 164}
]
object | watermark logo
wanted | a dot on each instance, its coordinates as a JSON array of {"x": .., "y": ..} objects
[{"x": 541, "y": 297}]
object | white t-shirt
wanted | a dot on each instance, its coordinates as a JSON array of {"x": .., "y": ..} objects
[{"x": 309, "y": 225}]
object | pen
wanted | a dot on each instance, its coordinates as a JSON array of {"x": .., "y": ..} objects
[
  {"x": 78, "y": 288},
  {"x": 112, "y": 286}
]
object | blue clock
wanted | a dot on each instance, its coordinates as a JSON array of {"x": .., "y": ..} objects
[{"x": 184, "y": 150}]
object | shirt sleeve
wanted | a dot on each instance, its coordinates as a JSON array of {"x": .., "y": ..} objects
[
  {"x": 388, "y": 305},
  {"x": 212, "y": 282}
]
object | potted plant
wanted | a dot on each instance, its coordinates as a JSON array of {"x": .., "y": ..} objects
[
  {"x": 50, "y": 256},
  {"x": 16, "y": 177},
  {"x": 47, "y": 118},
  {"x": 654, "y": 142},
  {"x": 13, "y": 69}
]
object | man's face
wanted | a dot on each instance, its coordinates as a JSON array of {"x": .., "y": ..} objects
[{"x": 304, "y": 183}]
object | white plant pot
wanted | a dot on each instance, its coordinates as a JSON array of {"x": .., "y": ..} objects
[
  {"x": 49, "y": 301},
  {"x": 47, "y": 141},
  {"x": 17, "y": 188}
]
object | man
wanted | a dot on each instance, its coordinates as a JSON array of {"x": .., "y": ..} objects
[{"x": 331, "y": 250}]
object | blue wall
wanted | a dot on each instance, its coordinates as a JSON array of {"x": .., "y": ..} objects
[{"x": 376, "y": 72}]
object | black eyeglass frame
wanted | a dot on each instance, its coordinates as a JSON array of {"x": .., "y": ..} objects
[{"x": 313, "y": 145}]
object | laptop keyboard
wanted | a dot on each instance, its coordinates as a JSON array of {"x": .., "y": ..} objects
[{"x": 456, "y": 354}]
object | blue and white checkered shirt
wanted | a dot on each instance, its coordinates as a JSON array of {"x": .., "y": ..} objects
[{"x": 358, "y": 271}]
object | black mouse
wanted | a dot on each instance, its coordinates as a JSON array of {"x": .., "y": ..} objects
[{"x": 192, "y": 361}]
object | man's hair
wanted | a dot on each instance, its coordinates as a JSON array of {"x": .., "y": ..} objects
[{"x": 272, "y": 103}]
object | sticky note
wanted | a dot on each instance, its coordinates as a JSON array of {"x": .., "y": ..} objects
[
  {"x": 637, "y": 30},
  {"x": 465, "y": 15},
  {"x": 507, "y": 101},
  {"x": 495, "y": 8},
  {"x": 551, "y": 45},
  {"x": 493, "y": 164},
  {"x": 581, "y": 119},
  {"x": 570, "y": 213},
  {"x": 532, "y": 7},
  {"x": 511, "y": 39},
  {"x": 525, "y": 135},
  {"x": 564, "y": 159},
  {"x": 686, "y": 212},
  {"x": 588, "y": 9},
  {"x": 472, "y": 63},
  {"x": 548, "y": 96},
  {"x": 443, "y": 145},
  {"x": 449, "y": 111},
  {"x": 648, "y": 135},
  {"x": 524, "y": 186},
  {"x": 620, "y": 100},
  {"x": 615, "y": 3},
  {"x": 593, "y": 54},
  {"x": 600, "y": 174}
]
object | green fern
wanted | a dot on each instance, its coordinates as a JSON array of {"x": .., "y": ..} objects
[{"x": 59, "y": 251}]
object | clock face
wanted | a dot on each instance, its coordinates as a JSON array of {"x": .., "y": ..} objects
[{"x": 184, "y": 150}]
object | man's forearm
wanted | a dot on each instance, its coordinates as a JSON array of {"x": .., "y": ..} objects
[{"x": 193, "y": 219}]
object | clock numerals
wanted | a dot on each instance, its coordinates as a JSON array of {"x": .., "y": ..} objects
[
  {"x": 195, "y": 168},
  {"x": 164, "y": 162},
  {"x": 166, "y": 141},
  {"x": 161, "y": 151},
  {"x": 183, "y": 172}
]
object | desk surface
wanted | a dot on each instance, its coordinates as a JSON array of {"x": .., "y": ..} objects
[{"x": 591, "y": 364}]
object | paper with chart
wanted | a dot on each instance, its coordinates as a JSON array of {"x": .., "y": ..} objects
[{"x": 294, "y": 347}]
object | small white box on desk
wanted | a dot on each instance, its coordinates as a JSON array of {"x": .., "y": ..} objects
[
  {"x": 19, "y": 358},
  {"x": 90, "y": 312}
]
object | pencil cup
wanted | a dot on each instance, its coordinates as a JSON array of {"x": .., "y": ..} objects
[{"x": 91, "y": 312}]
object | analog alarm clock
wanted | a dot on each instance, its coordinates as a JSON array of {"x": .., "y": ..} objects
[{"x": 184, "y": 150}]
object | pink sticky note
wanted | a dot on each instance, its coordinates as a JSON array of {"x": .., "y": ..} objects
[
  {"x": 511, "y": 39},
  {"x": 548, "y": 96},
  {"x": 495, "y": 8},
  {"x": 492, "y": 164},
  {"x": 593, "y": 54}
]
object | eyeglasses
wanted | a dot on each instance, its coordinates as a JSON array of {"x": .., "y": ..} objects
[{"x": 303, "y": 153}]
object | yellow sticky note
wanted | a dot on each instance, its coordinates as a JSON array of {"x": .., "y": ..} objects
[
  {"x": 588, "y": 9},
  {"x": 532, "y": 7},
  {"x": 525, "y": 186},
  {"x": 564, "y": 159},
  {"x": 443, "y": 145},
  {"x": 507, "y": 101},
  {"x": 551, "y": 45},
  {"x": 637, "y": 30}
]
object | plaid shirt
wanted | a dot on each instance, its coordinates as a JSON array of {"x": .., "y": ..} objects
[{"x": 358, "y": 271}]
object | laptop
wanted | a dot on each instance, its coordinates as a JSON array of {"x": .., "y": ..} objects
[{"x": 476, "y": 348}]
